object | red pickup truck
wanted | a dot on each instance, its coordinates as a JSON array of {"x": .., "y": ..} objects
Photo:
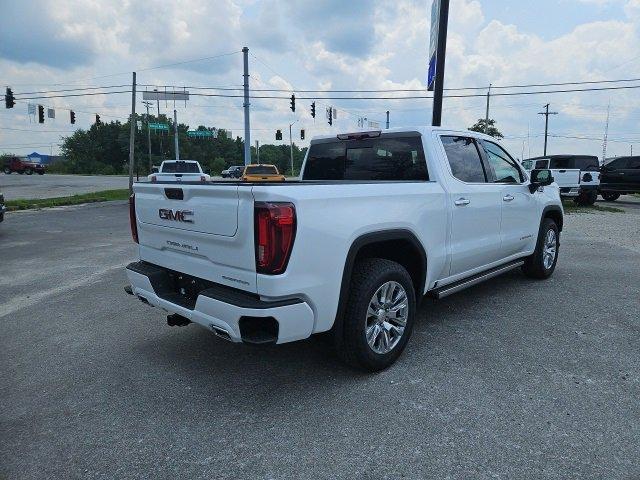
[{"x": 23, "y": 165}]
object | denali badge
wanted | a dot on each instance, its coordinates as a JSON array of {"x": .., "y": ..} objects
[{"x": 177, "y": 215}]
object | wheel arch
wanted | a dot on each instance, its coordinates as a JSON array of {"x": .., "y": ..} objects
[
  {"x": 554, "y": 212},
  {"x": 410, "y": 254}
]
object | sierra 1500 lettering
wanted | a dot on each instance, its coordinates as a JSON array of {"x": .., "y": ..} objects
[{"x": 376, "y": 221}]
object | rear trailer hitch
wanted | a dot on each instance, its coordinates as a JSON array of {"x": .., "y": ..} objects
[{"x": 175, "y": 320}]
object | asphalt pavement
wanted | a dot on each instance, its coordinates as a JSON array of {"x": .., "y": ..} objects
[
  {"x": 16, "y": 186},
  {"x": 513, "y": 378}
]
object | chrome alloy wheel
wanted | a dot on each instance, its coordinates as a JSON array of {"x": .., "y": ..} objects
[
  {"x": 550, "y": 248},
  {"x": 387, "y": 316}
]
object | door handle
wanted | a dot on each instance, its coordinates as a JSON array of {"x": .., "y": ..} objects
[
  {"x": 507, "y": 198},
  {"x": 462, "y": 201}
]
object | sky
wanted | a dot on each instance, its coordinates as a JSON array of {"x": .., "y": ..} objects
[{"x": 297, "y": 45}]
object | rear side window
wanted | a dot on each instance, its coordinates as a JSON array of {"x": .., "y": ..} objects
[
  {"x": 561, "y": 163},
  {"x": 618, "y": 163},
  {"x": 382, "y": 158},
  {"x": 542, "y": 164},
  {"x": 464, "y": 159}
]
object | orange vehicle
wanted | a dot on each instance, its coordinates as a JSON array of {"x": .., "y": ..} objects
[{"x": 261, "y": 173}]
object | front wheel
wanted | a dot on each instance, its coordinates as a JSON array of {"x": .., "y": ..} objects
[
  {"x": 610, "y": 196},
  {"x": 7, "y": 170},
  {"x": 379, "y": 316},
  {"x": 543, "y": 261}
]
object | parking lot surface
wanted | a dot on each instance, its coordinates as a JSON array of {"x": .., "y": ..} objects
[{"x": 514, "y": 378}]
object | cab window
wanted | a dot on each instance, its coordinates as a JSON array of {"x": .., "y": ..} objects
[
  {"x": 504, "y": 167},
  {"x": 464, "y": 159}
]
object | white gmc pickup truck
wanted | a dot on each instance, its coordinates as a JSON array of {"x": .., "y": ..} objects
[{"x": 376, "y": 221}]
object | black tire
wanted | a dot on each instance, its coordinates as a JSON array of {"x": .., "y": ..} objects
[
  {"x": 351, "y": 343},
  {"x": 534, "y": 265},
  {"x": 7, "y": 170},
  {"x": 586, "y": 198},
  {"x": 28, "y": 171},
  {"x": 610, "y": 196},
  {"x": 40, "y": 173}
]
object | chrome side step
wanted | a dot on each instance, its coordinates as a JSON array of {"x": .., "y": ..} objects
[{"x": 447, "y": 290}]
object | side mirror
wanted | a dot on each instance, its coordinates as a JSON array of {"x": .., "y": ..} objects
[{"x": 540, "y": 178}]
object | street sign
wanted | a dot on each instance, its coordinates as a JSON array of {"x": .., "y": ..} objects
[
  {"x": 202, "y": 134},
  {"x": 169, "y": 95},
  {"x": 433, "y": 44},
  {"x": 159, "y": 126}
]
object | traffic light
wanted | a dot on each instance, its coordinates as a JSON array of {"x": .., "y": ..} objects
[
  {"x": 72, "y": 114},
  {"x": 302, "y": 134},
  {"x": 278, "y": 134},
  {"x": 330, "y": 115},
  {"x": 40, "y": 114},
  {"x": 97, "y": 119},
  {"x": 313, "y": 109},
  {"x": 293, "y": 103},
  {"x": 9, "y": 100}
]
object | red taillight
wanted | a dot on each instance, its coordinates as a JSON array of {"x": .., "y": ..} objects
[
  {"x": 132, "y": 217},
  {"x": 275, "y": 230},
  {"x": 153, "y": 178}
]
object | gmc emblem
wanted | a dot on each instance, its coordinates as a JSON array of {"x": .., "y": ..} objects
[{"x": 177, "y": 215}]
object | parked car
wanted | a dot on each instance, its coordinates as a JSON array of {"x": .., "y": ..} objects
[
  {"x": 23, "y": 165},
  {"x": 261, "y": 172},
  {"x": 2, "y": 207},
  {"x": 375, "y": 221},
  {"x": 179, "y": 171},
  {"x": 563, "y": 167},
  {"x": 620, "y": 176},
  {"x": 233, "y": 171}
]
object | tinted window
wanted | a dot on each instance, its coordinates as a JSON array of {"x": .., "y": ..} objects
[
  {"x": 587, "y": 164},
  {"x": 180, "y": 167},
  {"x": 504, "y": 167},
  {"x": 561, "y": 163},
  {"x": 634, "y": 162},
  {"x": 382, "y": 158},
  {"x": 542, "y": 164},
  {"x": 464, "y": 159},
  {"x": 261, "y": 170},
  {"x": 617, "y": 163}
]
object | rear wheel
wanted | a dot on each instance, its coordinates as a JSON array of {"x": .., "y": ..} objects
[
  {"x": 586, "y": 198},
  {"x": 610, "y": 196},
  {"x": 7, "y": 170},
  {"x": 543, "y": 261},
  {"x": 379, "y": 316}
]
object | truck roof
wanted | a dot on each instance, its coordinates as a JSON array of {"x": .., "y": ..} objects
[{"x": 423, "y": 129}]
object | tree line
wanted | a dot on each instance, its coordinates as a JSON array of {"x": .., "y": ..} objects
[{"x": 104, "y": 149}]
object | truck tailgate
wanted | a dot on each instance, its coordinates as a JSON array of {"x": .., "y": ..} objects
[
  {"x": 203, "y": 230},
  {"x": 569, "y": 177}
]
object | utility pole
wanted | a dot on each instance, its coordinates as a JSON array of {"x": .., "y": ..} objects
[
  {"x": 148, "y": 104},
  {"x": 158, "y": 103},
  {"x": 387, "y": 119},
  {"x": 546, "y": 114},
  {"x": 175, "y": 133},
  {"x": 632, "y": 150},
  {"x": 132, "y": 134},
  {"x": 257, "y": 152},
  {"x": 606, "y": 135},
  {"x": 291, "y": 145},
  {"x": 247, "y": 139},
  {"x": 443, "y": 20},
  {"x": 486, "y": 116}
]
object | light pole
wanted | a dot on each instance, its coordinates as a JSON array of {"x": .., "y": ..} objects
[{"x": 291, "y": 145}]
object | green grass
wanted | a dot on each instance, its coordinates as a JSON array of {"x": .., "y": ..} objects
[
  {"x": 103, "y": 196},
  {"x": 571, "y": 207}
]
